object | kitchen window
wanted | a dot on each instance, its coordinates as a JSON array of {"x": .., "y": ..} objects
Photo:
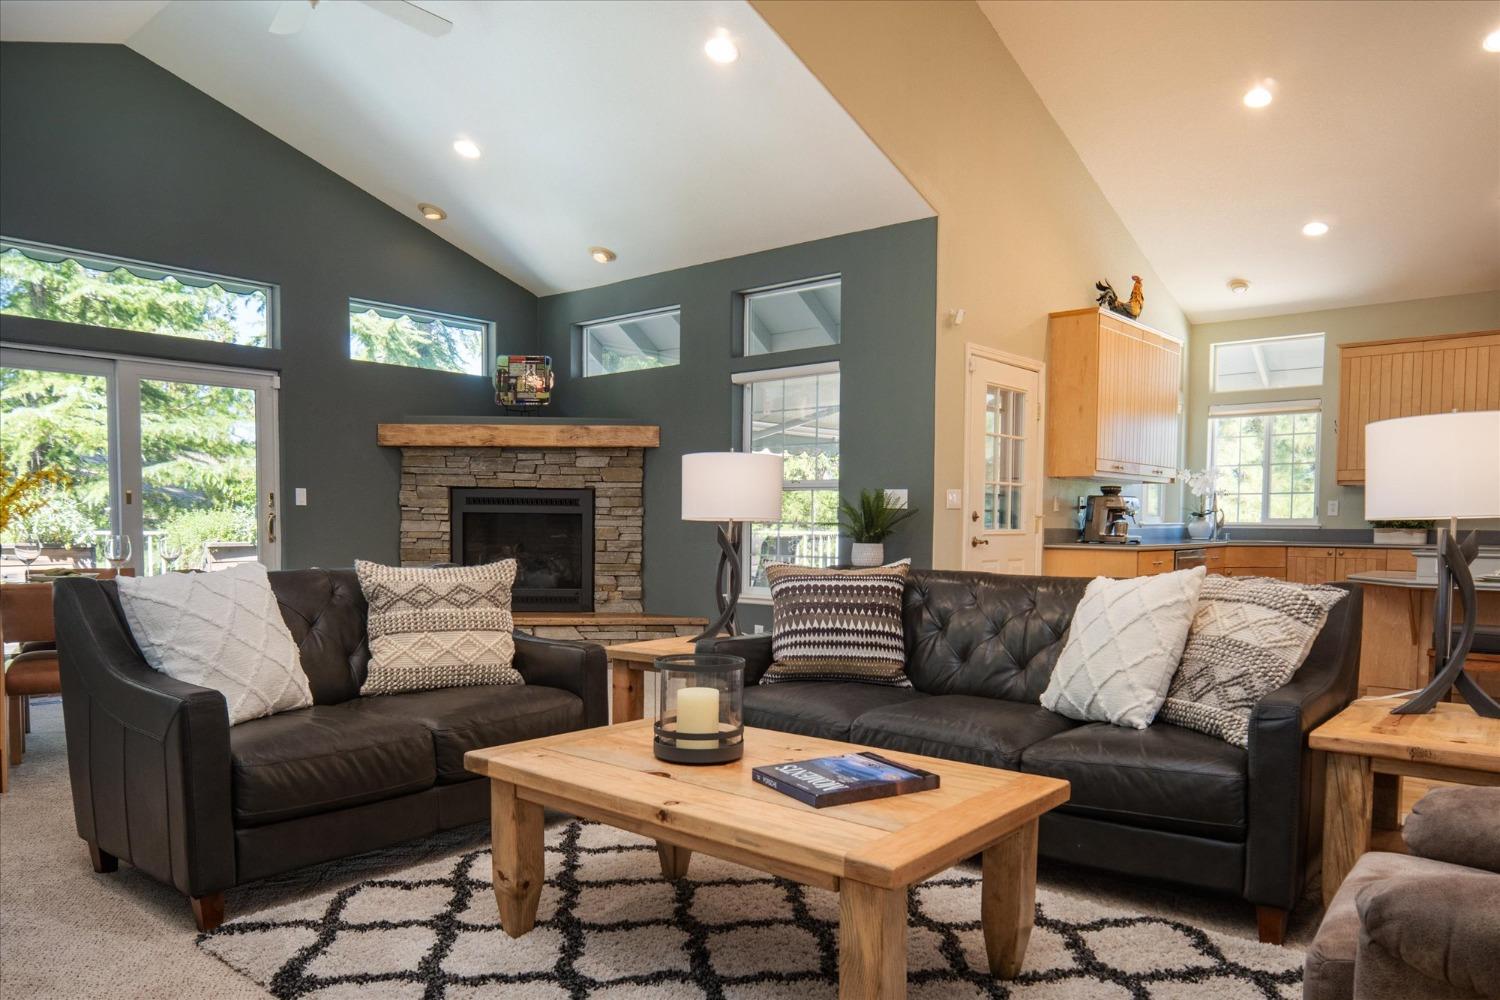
[
  {"x": 633, "y": 343},
  {"x": 396, "y": 335},
  {"x": 794, "y": 412},
  {"x": 1266, "y": 460}
]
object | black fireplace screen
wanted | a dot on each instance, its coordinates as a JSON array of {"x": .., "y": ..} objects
[{"x": 549, "y": 533}]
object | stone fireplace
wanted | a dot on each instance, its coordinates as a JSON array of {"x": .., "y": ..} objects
[{"x": 549, "y": 533}]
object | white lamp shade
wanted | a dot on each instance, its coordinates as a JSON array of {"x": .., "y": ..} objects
[
  {"x": 731, "y": 486},
  {"x": 1433, "y": 467}
]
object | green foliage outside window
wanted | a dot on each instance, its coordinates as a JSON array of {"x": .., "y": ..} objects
[{"x": 415, "y": 341}]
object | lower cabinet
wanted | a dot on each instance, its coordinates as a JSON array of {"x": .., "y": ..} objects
[{"x": 1296, "y": 563}]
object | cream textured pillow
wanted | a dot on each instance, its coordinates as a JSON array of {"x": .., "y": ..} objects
[
  {"x": 438, "y": 628},
  {"x": 219, "y": 630},
  {"x": 1123, "y": 648}
]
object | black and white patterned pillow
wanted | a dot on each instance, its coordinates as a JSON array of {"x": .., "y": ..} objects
[
  {"x": 837, "y": 625},
  {"x": 1249, "y": 636}
]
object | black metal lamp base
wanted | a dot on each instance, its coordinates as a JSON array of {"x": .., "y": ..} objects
[
  {"x": 1453, "y": 568},
  {"x": 726, "y": 582}
]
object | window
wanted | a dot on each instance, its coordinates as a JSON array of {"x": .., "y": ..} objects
[
  {"x": 1266, "y": 459},
  {"x": 791, "y": 317},
  {"x": 632, "y": 343},
  {"x": 66, "y": 286},
  {"x": 1152, "y": 503},
  {"x": 395, "y": 335},
  {"x": 1276, "y": 363},
  {"x": 795, "y": 412}
]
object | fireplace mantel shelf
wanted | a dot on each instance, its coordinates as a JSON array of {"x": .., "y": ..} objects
[{"x": 518, "y": 435}]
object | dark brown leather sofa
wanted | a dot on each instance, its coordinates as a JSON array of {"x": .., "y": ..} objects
[
  {"x": 161, "y": 780},
  {"x": 1164, "y": 803}
]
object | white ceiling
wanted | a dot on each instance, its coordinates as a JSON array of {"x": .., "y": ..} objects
[
  {"x": 601, "y": 123},
  {"x": 1385, "y": 124}
]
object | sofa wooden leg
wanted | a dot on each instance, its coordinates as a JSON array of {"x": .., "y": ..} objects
[
  {"x": 16, "y": 724},
  {"x": 1271, "y": 922},
  {"x": 103, "y": 861},
  {"x": 208, "y": 911}
]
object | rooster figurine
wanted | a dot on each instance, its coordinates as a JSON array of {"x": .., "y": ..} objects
[{"x": 1111, "y": 301}]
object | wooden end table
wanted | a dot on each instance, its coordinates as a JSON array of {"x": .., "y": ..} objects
[
  {"x": 1370, "y": 751},
  {"x": 870, "y": 853},
  {"x": 629, "y": 663}
]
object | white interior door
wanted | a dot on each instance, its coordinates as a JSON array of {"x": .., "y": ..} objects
[{"x": 1003, "y": 465}]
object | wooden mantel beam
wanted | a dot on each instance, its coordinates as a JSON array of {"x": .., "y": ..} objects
[{"x": 518, "y": 435}]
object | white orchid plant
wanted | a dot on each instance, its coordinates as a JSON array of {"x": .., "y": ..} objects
[{"x": 1204, "y": 486}]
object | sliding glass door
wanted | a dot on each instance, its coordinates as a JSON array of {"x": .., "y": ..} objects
[{"x": 175, "y": 463}]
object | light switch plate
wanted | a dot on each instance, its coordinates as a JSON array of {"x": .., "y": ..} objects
[
  {"x": 896, "y": 498},
  {"x": 760, "y": 629},
  {"x": 955, "y": 499},
  {"x": 299, "y": 496},
  {"x": 1333, "y": 508}
]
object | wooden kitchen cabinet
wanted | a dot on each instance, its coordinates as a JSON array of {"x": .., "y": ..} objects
[
  {"x": 1154, "y": 562},
  {"x": 1358, "y": 561},
  {"x": 1379, "y": 380},
  {"x": 1112, "y": 398},
  {"x": 1306, "y": 564},
  {"x": 1097, "y": 561}
]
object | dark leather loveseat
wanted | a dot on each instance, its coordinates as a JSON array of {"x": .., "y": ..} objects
[
  {"x": 1164, "y": 803},
  {"x": 163, "y": 781}
]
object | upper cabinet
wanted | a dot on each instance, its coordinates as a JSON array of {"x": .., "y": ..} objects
[
  {"x": 1405, "y": 378},
  {"x": 1112, "y": 398}
]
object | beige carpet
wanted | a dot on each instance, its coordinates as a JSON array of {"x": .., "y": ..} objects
[{"x": 67, "y": 932}]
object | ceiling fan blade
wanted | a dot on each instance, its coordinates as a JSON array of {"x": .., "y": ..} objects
[
  {"x": 291, "y": 17},
  {"x": 413, "y": 16}
]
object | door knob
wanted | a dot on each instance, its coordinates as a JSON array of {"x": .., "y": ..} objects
[{"x": 976, "y": 541}]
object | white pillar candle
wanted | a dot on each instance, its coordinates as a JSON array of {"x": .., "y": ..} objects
[{"x": 698, "y": 712}]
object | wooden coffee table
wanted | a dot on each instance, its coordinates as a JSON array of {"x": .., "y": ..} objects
[
  {"x": 1370, "y": 751},
  {"x": 871, "y": 853}
]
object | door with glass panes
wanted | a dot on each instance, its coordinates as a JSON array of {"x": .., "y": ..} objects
[{"x": 1003, "y": 467}]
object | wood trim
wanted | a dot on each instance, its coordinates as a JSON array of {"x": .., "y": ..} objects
[
  {"x": 535, "y": 618},
  {"x": 1414, "y": 340},
  {"x": 518, "y": 435}
]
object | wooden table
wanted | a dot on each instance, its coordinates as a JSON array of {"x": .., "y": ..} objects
[
  {"x": 628, "y": 665},
  {"x": 1370, "y": 750},
  {"x": 871, "y": 853}
]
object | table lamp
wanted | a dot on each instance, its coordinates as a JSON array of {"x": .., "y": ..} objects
[
  {"x": 1443, "y": 467},
  {"x": 730, "y": 487}
]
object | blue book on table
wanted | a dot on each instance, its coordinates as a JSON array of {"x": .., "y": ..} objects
[{"x": 850, "y": 777}]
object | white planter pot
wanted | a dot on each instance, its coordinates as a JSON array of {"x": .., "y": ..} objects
[
  {"x": 1400, "y": 536},
  {"x": 867, "y": 553}
]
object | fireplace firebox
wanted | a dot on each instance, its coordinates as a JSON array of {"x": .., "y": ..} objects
[{"x": 549, "y": 533}]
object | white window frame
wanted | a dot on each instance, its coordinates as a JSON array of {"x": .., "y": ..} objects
[
  {"x": 240, "y": 286},
  {"x": 583, "y": 340},
  {"x": 487, "y": 348},
  {"x": 1268, "y": 410},
  {"x": 806, "y": 284},
  {"x": 742, "y": 382},
  {"x": 1213, "y": 363}
]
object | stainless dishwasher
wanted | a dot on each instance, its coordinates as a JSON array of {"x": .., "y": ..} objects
[{"x": 1188, "y": 558}]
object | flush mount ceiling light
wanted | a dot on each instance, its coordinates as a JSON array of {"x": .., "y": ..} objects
[
  {"x": 603, "y": 255},
  {"x": 721, "y": 48},
  {"x": 1259, "y": 95},
  {"x": 1492, "y": 41},
  {"x": 1315, "y": 228},
  {"x": 431, "y": 212},
  {"x": 1239, "y": 286},
  {"x": 466, "y": 148}
]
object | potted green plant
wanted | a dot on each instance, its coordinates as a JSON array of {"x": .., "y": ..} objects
[
  {"x": 870, "y": 524},
  {"x": 1401, "y": 532}
]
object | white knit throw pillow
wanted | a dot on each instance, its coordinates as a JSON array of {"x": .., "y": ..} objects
[
  {"x": 1123, "y": 648},
  {"x": 220, "y": 630}
]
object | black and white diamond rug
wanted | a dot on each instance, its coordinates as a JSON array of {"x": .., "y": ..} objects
[{"x": 611, "y": 928}]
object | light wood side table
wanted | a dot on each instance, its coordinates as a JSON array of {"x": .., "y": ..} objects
[
  {"x": 1370, "y": 751},
  {"x": 629, "y": 663}
]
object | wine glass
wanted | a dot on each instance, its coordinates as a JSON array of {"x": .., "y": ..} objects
[
  {"x": 117, "y": 550},
  {"x": 28, "y": 552},
  {"x": 170, "y": 551}
]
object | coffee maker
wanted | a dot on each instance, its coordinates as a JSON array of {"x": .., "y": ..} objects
[{"x": 1107, "y": 516}]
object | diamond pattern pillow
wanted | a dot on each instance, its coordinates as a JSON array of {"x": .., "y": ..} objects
[
  {"x": 837, "y": 625},
  {"x": 438, "y": 628},
  {"x": 1123, "y": 648},
  {"x": 1248, "y": 637},
  {"x": 219, "y": 630}
]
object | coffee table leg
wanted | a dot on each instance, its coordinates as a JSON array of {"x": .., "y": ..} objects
[
  {"x": 674, "y": 859},
  {"x": 629, "y": 691},
  {"x": 872, "y": 942},
  {"x": 516, "y": 829},
  {"x": 1348, "y": 802},
  {"x": 1007, "y": 901}
]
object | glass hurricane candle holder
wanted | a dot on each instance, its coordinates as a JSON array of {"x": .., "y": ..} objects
[{"x": 700, "y": 711}]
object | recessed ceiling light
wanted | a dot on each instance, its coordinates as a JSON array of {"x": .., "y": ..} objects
[
  {"x": 1315, "y": 229},
  {"x": 1239, "y": 286},
  {"x": 1258, "y": 96},
  {"x": 603, "y": 255},
  {"x": 431, "y": 212},
  {"x": 466, "y": 148},
  {"x": 1492, "y": 41},
  {"x": 721, "y": 48}
]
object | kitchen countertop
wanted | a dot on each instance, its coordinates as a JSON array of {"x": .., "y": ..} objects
[
  {"x": 1409, "y": 580},
  {"x": 1220, "y": 543}
]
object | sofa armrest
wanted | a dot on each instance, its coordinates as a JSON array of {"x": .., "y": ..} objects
[
  {"x": 148, "y": 756},
  {"x": 1459, "y": 825},
  {"x": 1429, "y": 937},
  {"x": 755, "y": 649},
  {"x": 579, "y": 667},
  {"x": 1283, "y": 803}
]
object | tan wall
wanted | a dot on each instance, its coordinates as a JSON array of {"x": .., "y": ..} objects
[
  {"x": 1451, "y": 314},
  {"x": 1023, "y": 230}
]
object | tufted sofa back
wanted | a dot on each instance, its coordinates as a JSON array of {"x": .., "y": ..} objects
[
  {"x": 325, "y": 611},
  {"x": 986, "y": 634}
]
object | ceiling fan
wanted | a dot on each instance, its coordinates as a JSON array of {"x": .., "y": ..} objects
[{"x": 292, "y": 16}]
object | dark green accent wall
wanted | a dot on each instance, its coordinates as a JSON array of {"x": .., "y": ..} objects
[
  {"x": 102, "y": 150},
  {"x": 885, "y": 362}
]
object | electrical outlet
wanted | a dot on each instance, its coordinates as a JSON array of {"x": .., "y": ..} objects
[
  {"x": 896, "y": 498},
  {"x": 299, "y": 496},
  {"x": 1333, "y": 508},
  {"x": 955, "y": 499}
]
